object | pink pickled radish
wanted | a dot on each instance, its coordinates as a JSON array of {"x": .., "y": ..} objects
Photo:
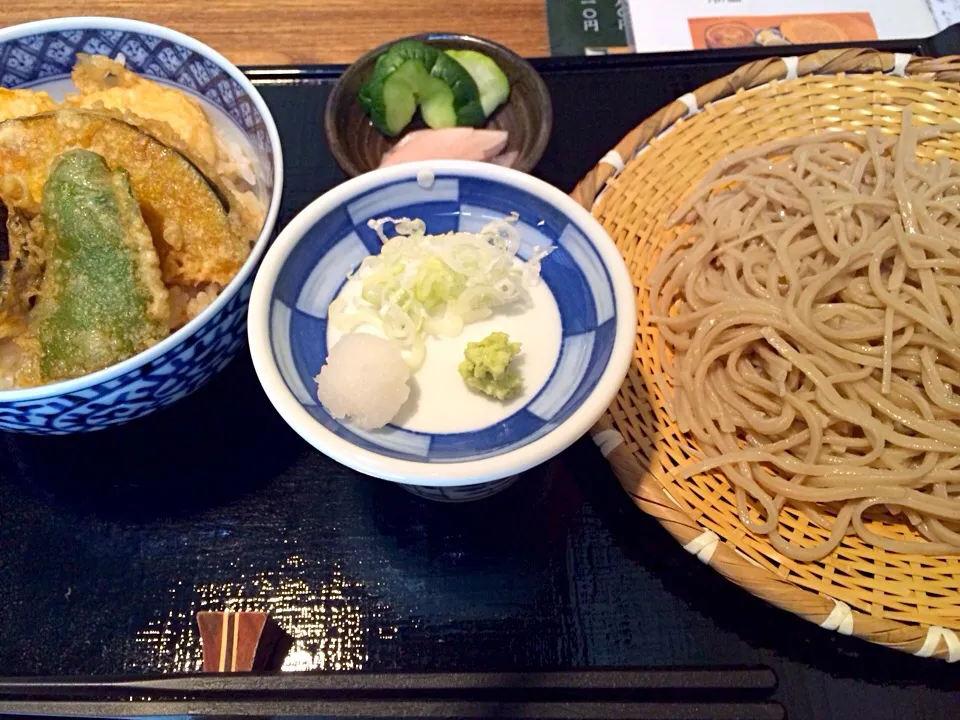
[{"x": 457, "y": 143}]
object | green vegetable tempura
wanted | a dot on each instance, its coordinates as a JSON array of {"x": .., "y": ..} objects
[
  {"x": 486, "y": 366},
  {"x": 103, "y": 299}
]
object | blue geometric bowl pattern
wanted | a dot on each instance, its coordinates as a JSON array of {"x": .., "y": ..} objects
[
  {"x": 315, "y": 271},
  {"x": 34, "y": 59},
  {"x": 184, "y": 362},
  {"x": 149, "y": 387},
  {"x": 460, "y": 493}
]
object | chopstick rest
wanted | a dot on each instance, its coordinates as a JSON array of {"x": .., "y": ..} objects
[{"x": 241, "y": 641}]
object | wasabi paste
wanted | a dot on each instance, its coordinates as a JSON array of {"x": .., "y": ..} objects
[{"x": 486, "y": 366}]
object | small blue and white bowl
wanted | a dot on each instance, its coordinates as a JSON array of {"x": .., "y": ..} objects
[
  {"x": 448, "y": 443},
  {"x": 41, "y": 55}
]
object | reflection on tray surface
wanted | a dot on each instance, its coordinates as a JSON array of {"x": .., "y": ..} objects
[{"x": 329, "y": 620}]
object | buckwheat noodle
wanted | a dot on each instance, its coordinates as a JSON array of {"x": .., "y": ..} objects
[{"x": 809, "y": 320}]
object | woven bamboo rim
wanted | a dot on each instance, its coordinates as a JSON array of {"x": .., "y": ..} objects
[{"x": 907, "y": 602}]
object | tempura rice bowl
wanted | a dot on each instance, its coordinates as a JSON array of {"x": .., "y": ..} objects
[{"x": 40, "y": 56}]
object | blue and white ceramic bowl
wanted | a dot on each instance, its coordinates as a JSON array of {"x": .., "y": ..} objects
[
  {"x": 447, "y": 442},
  {"x": 40, "y": 55}
]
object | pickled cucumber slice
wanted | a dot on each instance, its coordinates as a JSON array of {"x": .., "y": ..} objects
[
  {"x": 490, "y": 79},
  {"x": 466, "y": 95},
  {"x": 437, "y": 105},
  {"x": 410, "y": 75},
  {"x": 391, "y": 98},
  {"x": 102, "y": 299},
  {"x": 402, "y": 52}
]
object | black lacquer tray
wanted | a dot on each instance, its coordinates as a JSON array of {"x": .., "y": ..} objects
[{"x": 111, "y": 542}]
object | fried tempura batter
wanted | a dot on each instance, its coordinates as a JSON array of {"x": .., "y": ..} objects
[
  {"x": 194, "y": 235},
  {"x": 23, "y": 103},
  {"x": 105, "y": 83},
  {"x": 21, "y": 267}
]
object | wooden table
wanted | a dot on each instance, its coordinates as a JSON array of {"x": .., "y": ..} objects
[{"x": 251, "y": 32}]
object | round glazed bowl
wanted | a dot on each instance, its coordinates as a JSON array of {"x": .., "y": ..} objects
[
  {"x": 577, "y": 334},
  {"x": 527, "y": 115},
  {"x": 40, "y": 56}
]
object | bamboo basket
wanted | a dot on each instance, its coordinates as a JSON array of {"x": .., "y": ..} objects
[{"x": 907, "y": 602}]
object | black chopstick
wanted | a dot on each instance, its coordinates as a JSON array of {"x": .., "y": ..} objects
[
  {"x": 643, "y": 693},
  {"x": 693, "y": 681},
  {"x": 403, "y": 709}
]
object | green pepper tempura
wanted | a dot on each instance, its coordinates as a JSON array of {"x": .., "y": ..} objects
[
  {"x": 103, "y": 299},
  {"x": 486, "y": 366}
]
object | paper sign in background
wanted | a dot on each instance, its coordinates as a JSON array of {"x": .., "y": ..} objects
[
  {"x": 659, "y": 26},
  {"x": 797, "y": 29}
]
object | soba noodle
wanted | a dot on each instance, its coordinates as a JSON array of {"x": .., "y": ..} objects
[{"x": 809, "y": 318}]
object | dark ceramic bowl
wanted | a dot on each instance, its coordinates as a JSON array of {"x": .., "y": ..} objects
[{"x": 527, "y": 115}]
